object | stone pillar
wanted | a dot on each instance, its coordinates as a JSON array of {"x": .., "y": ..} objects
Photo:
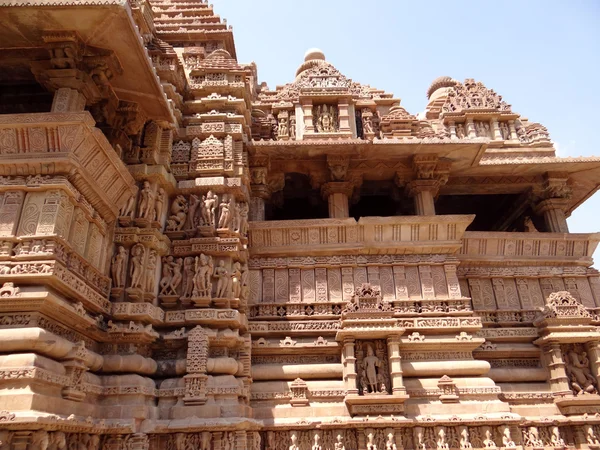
[
  {"x": 452, "y": 126},
  {"x": 513, "y": 131},
  {"x": 470, "y": 129},
  {"x": 257, "y": 209},
  {"x": 350, "y": 366},
  {"x": 337, "y": 194},
  {"x": 554, "y": 215},
  {"x": 395, "y": 360},
  {"x": 423, "y": 192},
  {"x": 307, "y": 107},
  {"x": 496, "y": 135},
  {"x": 344, "y": 117},
  {"x": 67, "y": 100},
  {"x": 593, "y": 352},
  {"x": 559, "y": 383}
]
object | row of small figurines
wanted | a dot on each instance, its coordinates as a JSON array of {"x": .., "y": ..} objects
[
  {"x": 208, "y": 211},
  {"x": 195, "y": 274},
  {"x": 187, "y": 214}
]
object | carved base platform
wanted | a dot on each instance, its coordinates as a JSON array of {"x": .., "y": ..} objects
[
  {"x": 201, "y": 302},
  {"x": 588, "y": 403},
  {"x": 135, "y": 294},
  {"x": 168, "y": 301},
  {"x": 206, "y": 231},
  {"x": 125, "y": 221},
  {"x": 73, "y": 394},
  {"x": 177, "y": 234},
  {"x": 221, "y": 302},
  {"x": 375, "y": 404},
  {"x": 116, "y": 292}
]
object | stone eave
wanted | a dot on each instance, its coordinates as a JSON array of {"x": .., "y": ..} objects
[
  {"x": 203, "y": 35},
  {"x": 584, "y": 171},
  {"x": 463, "y": 154},
  {"x": 102, "y": 24}
]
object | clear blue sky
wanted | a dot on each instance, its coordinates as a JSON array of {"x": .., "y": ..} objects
[{"x": 543, "y": 57}]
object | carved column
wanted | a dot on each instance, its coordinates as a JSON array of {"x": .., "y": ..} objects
[
  {"x": 496, "y": 130},
  {"x": 424, "y": 192},
  {"x": 593, "y": 350},
  {"x": 350, "y": 366},
  {"x": 554, "y": 215},
  {"x": 11, "y": 203},
  {"x": 67, "y": 100},
  {"x": 559, "y": 383},
  {"x": 344, "y": 116},
  {"x": 260, "y": 193},
  {"x": 337, "y": 194},
  {"x": 513, "y": 131},
  {"x": 197, "y": 358},
  {"x": 307, "y": 112},
  {"x": 395, "y": 360},
  {"x": 452, "y": 127},
  {"x": 470, "y": 128}
]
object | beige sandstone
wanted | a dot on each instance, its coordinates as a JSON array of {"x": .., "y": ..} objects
[{"x": 191, "y": 260}]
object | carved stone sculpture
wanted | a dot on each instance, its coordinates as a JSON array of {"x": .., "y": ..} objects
[
  {"x": 194, "y": 203},
  {"x": 507, "y": 441},
  {"x": 178, "y": 216},
  {"x": 371, "y": 365},
  {"x": 188, "y": 274},
  {"x": 442, "y": 443},
  {"x": 225, "y": 213},
  {"x": 488, "y": 440},
  {"x": 464, "y": 438},
  {"x": 209, "y": 209},
  {"x": 159, "y": 204},
  {"x": 580, "y": 376},
  {"x": 203, "y": 270},
  {"x": 146, "y": 207},
  {"x": 222, "y": 276},
  {"x": 136, "y": 265},
  {"x": 119, "y": 267},
  {"x": 294, "y": 441}
]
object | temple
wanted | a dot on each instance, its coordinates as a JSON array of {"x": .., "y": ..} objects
[{"x": 192, "y": 260}]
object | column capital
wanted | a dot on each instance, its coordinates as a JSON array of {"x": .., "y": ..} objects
[
  {"x": 551, "y": 204},
  {"x": 415, "y": 187},
  {"x": 337, "y": 187}
]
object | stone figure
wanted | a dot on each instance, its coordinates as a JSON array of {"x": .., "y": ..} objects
[
  {"x": 442, "y": 443},
  {"x": 242, "y": 222},
  {"x": 146, "y": 208},
  {"x": 210, "y": 205},
  {"x": 178, "y": 215},
  {"x": 206, "y": 440},
  {"x": 464, "y": 438},
  {"x": 486, "y": 129},
  {"x": 188, "y": 273},
  {"x": 522, "y": 134},
  {"x": 294, "y": 440},
  {"x": 578, "y": 370},
  {"x": 166, "y": 275},
  {"x": 151, "y": 271},
  {"x": 5, "y": 439},
  {"x": 193, "y": 205},
  {"x": 590, "y": 435},
  {"x": 136, "y": 266},
  {"x": 371, "y": 441},
  {"x": 225, "y": 213},
  {"x": 282, "y": 127},
  {"x": 221, "y": 274},
  {"x": 367, "y": 124},
  {"x": 94, "y": 442},
  {"x": 555, "y": 438},
  {"x": 389, "y": 443},
  {"x": 127, "y": 209},
  {"x": 177, "y": 275},
  {"x": 203, "y": 272},
  {"x": 40, "y": 440},
  {"x": 339, "y": 443},
  {"x": 118, "y": 267},
  {"x": 270, "y": 440},
  {"x": 236, "y": 278},
  {"x": 460, "y": 131},
  {"x": 507, "y": 438},
  {"x": 159, "y": 204},
  {"x": 419, "y": 439},
  {"x": 292, "y": 127},
  {"x": 244, "y": 283},
  {"x": 488, "y": 440},
  {"x": 532, "y": 438},
  {"x": 325, "y": 119},
  {"x": 316, "y": 445},
  {"x": 371, "y": 365},
  {"x": 504, "y": 131}
]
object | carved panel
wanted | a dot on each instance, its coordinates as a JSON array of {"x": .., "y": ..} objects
[
  {"x": 348, "y": 283},
  {"x": 32, "y": 209},
  {"x": 308, "y": 285},
  {"x": 281, "y": 285},
  {"x": 583, "y": 286},
  {"x": 400, "y": 283},
  {"x": 295, "y": 286},
  {"x": 321, "y": 284},
  {"x": 268, "y": 286},
  {"x": 334, "y": 283},
  {"x": 388, "y": 290},
  {"x": 255, "y": 282},
  {"x": 412, "y": 282}
]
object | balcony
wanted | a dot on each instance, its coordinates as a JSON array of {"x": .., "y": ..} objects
[
  {"x": 66, "y": 143},
  {"x": 400, "y": 235}
]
